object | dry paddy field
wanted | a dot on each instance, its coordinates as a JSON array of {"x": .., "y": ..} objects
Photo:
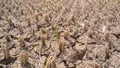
[{"x": 59, "y": 33}]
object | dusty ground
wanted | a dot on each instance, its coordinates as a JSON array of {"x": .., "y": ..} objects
[{"x": 60, "y": 33}]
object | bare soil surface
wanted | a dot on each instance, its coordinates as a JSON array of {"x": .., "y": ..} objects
[{"x": 59, "y": 33}]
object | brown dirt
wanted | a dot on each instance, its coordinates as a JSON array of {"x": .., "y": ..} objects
[{"x": 77, "y": 33}]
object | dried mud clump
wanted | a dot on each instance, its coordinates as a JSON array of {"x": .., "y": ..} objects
[{"x": 60, "y": 34}]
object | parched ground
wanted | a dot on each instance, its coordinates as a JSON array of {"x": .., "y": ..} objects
[{"x": 59, "y": 33}]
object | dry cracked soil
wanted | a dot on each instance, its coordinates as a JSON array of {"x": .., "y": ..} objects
[{"x": 59, "y": 33}]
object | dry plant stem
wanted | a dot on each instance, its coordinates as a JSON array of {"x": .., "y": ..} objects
[
  {"x": 107, "y": 50},
  {"x": 86, "y": 42},
  {"x": 9, "y": 21},
  {"x": 32, "y": 31},
  {"x": 78, "y": 25},
  {"x": 28, "y": 21},
  {"x": 43, "y": 31},
  {"x": 61, "y": 44},
  {"x": 20, "y": 27},
  {"x": 37, "y": 18},
  {"x": 52, "y": 25},
  {"x": 66, "y": 34},
  {"x": 50, "y": 63},
  {"x": 59, "y": 18},
  {"x": 21, "y": 40},
  {"x": 70, "y": 18},
  {"x": 0, "y": 17},
  {"x": 7, "y": 37},
  {"x": 43, "y": 41},
  {"x": 85, "y": 47},
  {"x": 106, "y": 35},
  {"x": 90, "y": 32},
  {"x": 56, "y": 32},
  {"x": 105, "y": 31},
  {"x": 23, "y": 57},
  {"x": 5, "y": 50},
  {"x": 96, "y": 65},
  {"x": 46, "y": 33},
  {"x": 107, "y": 24},
  {"x": 47, "y": 16}
]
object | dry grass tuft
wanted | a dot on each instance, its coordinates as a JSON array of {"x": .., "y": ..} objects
[
  {"x": 47, "y": 16},
  {"x": 37, "y": 17}
]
